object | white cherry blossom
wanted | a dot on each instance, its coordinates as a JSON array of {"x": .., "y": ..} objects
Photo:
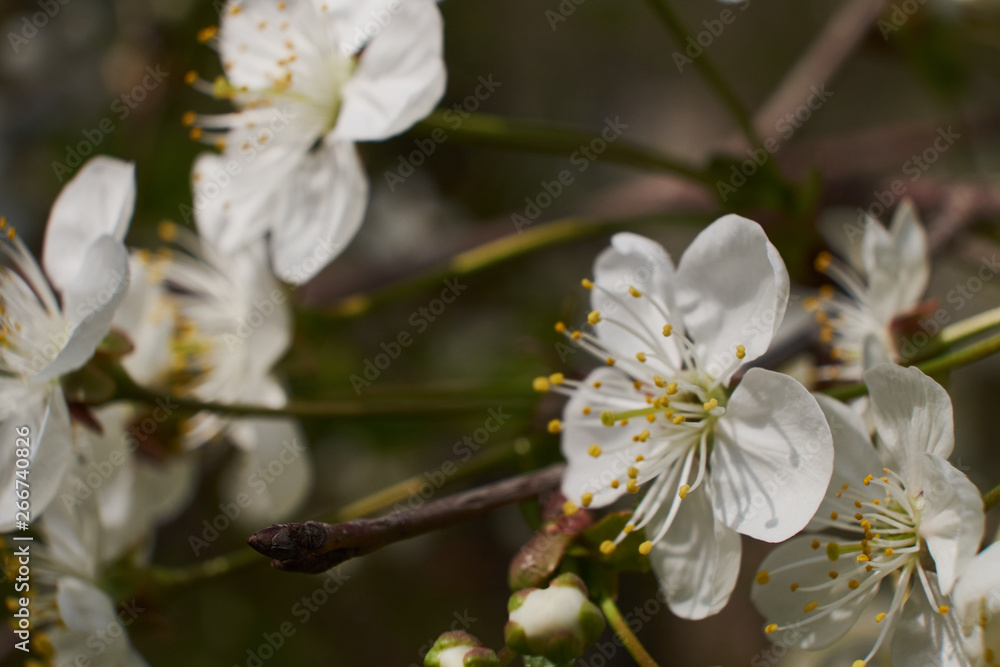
[{"x": 717, "y": 461}]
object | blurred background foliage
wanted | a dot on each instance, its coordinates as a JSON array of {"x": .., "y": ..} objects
[{"x": 63, "y": 88}]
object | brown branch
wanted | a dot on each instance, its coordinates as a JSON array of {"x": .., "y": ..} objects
[{"x": 315, "y": 546}]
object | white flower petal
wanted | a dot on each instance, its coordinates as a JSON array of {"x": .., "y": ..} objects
[
  {"x": 44, "y": 413},
  {"x": 923, "y": 637},
  {"x": 698, "y": 561},
  {"x": 732, "y": 289},
  {"x": 979, "y": 586},
  {"x": 147, "y": 316},
  {"x": 912, "y": 412},
  {"x": 797, "y": 562},
  {"x": 586, "y": 473},
  {"x": 401, "y": 73},
  {"x": 897, "y": 263},
  {"x": 319, "y": 212},
  {"x": 633, "y": 261},
  {"x": 89, "y": 303},
  {"x": 953, "y": 519},
  {"x": 773, "y": 457},
  {"x": 83, "y": 607},
  {"x": 273, "y": 472},
  {"x": 97, "y": 202}
]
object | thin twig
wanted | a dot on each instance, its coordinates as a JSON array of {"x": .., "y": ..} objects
[
  {"x": 314, "y": 546},
  {"x": 620, "y": 626}
]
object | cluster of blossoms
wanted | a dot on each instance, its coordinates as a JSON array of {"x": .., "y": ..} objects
[{"x": 678, "y": 421}]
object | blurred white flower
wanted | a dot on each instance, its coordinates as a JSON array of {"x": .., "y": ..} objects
[
  {"x": 309, "y": 78},
  {"x": 211, "y": 327},
  {"x": 915, "y": 516},
  {"x": 558, "y": 622},
  {"x": 886, "y": 280},
  {"x": 46, "y": 333},
  {"x": 753, "y": 460},
  {"x": 977, "y": 604}
]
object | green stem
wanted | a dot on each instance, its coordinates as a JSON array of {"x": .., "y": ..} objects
[
  {"x": 213, "y": 567},
  {"x": 490, "y": 131},
  {"x": 970, "y": 327},
  {"x": 991, "y": 498},
  {"x": 620, "y": 626},
  {"x": 945, "y": 362},
  {"x": 680, "y": 33},
  {"x": 493, "y": 253}
]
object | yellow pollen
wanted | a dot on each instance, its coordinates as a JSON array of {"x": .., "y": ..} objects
[
  {"x": 683, "y": 491},
  {"x": 859, "y": 516},
  {"x": 569, "y": 508},
  {"x": 888, "y": 552},
  {"x": 823, "y": 261},
  {"x": 869, "y": 568},
  {"x": 671, "y": 389},
  {"x": 794, "y": 587},
  {"x": 876, "y": 502},
  {"x": 862, "y": 558},
  {"x": 857, "y": 503},
  {"x": 641, "y": 356},
  {"x": 884, "y": 479},
  {"x": 609, "y": 361},
  {"x": 826, "y": 292},
  {"x": 810, "y": 304},
  {"x": 868, "y": 480},
  {"x": 586, "y": 499},
  {"x": 763, "y": 577},
  {"x": 597, "y": 384},
  {"x": 607, "y": 546},
  {"x": 633, "y": 472},
  {"x": 640, "y": 458},
  {"x": 678, "y": 420},
  {"x": 587, "y": 284},
  {"x": 815, "y": 544},
  {"x": 834, "y": 516},
  {"x": 809, "y": 607},
  {"x": 837, "y": 494},
  {"x": 845, "y": 487},
  {"x": 560, "y": 327},
  {"x": 206, "y": 34},
  {"x": 632, "y": 486},
  {"x": 943, "y": 609},
  {"x": 195, "y": 133},
  {"x": 853, "y": 584},
  {"x": 644, "y": 436},
  {"x": 586, "y": 410},
  {"x": 833, "y": 574},
  {"x": 557, "y": 378},
  {"x": 167, "y": 230},
  {"x": 667, "y": 330},
  {"x": 628, "y": 528},
  {"x": 555, "y": 426},
  {"x": 858, "y": 663},
  {"x": 711, "y": 405},
  {"x": 651, "y": 418},
  {"x": 594, "y": 450},
  {"x": 188, "y": 118},
  {"x": 540, "y": 384},
  {"x": 634, "y": 292},
  {"x": 615, "y": 484},
  {"x": 645, "y": 547},
  {"x": 988, "y": 655},
  {"x": 740, "y": 352},
  {"x": 771, "y": 627},
  {"x": 879, "y": 616},
  {"x": 659, "y": 382}
]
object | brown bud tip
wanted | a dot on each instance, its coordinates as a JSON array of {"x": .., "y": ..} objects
[{"x": 288, "y": 541}]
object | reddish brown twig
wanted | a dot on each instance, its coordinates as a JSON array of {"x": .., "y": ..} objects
[{"x": 315, "y": 546}]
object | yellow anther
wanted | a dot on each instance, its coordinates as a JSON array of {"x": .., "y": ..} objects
[
  {"x": 659, "y": 382},
  {"x": 651, "y": 418},
  {"x": 640, "y": 458},
  {"x": 858, "y": 663},
  {"x": 607, "y": 546},
  {"x": 857, "y": 503},
  {"x": 593, "y": 317},
  {"x": 597, "y": 384},
  {"x": 557, "y": 378},
  {"x": 569, "y": 508},
  {"x": 809, "y": 607},
  {"x": 815, "y": 544},
  {"x": 586, "y": 499},
  {"x": 586, "y": 410},
  {"x": 645, "y": 548},
  {"x": 594, "y": 450},
  {"x": 560, "y": 327},
  {"x": 587, "y": 284},
  {"x": 633, "y": 472},
  {"x": 879, "y": 616},
  {"x": 641, "y": 356},
  {"x": 628, "y": 528},
  {"x": 740, "y": 352},
  {"x": 678, "y": 420},
  {"x": 868, "y": 480},
  {"x": 632, "y": 486},
  {"x": 540, "y": 384},
  {"x": 833, "y": 551},
  {"x": 195, "y": 133},
  {"x": 888, "y": 552},
  {"x": 823, "y": 261},
  {"x": 555, "y": 426},
  {"x": 206, "y": 34},
  {"x": 810, "y": 304},
  {"x": 834, "y": 516},
  {"x": 683, "y": 491},
  {"x": 671, "y": 389},
  {"x": 167, "y": 230},
  {"x": 634, "y": 292},
  {"x": 668, "y": 329},
  {"x": 711, "y": 405},
  {"x": 763, "y": 577},
  {"x": 833, "y": 574},
  {"x": 876, "y": 501},
  {"x": 615, "y": 484},
  {"x": 794, "y": 587},
  {"x": 859, "y": 516},
  {"x": 643, "y": 436},
  {"x": 189, "y": 117},
  {"x": 862, "y": 558},
  {"x": 609, "y": 361},
  {"x": 943, "y": 609},
  {"x": 771, "y": 627},
  {"x": 826, "y": 292}
]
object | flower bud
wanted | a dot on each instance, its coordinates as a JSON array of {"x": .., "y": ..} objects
[
  {"x": 460, "y": 649},
  {"x": 558, "y": 622}
]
